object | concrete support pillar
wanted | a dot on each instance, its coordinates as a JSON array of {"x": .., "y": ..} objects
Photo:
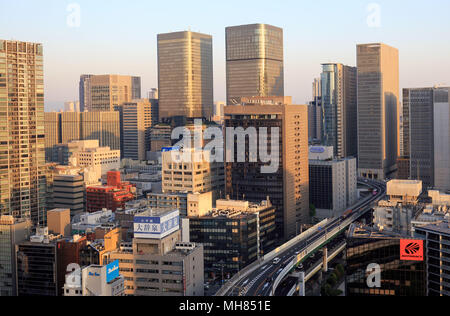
[
  {"x": 301, "y": 284},
  {"x": 325, "y": 259}
]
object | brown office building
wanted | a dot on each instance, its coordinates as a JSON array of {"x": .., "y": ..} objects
[
  {"x": 185, "y": 75},
  {"x": 104, "y": 92},
  {"x": 378, "y": 110},
  {"x": 254, "y": 61},
  {"x": 288, "y": 187},
  {"x": 22, "y": 138}
]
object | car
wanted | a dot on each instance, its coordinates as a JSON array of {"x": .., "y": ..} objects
[
  {"x": 297, "y": 253},
  {"x": 276, "y": 261}
]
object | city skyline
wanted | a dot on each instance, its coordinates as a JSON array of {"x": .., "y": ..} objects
[{"x": 307, "y": 41}]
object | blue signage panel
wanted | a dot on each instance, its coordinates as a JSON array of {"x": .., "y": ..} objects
[
  {"x": 112, "y": 271},
  {"x": 317, "y": 150},
  {"x": 166, "y": 149}
]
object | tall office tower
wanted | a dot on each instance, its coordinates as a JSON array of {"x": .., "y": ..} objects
[
  {"x": 429, "y": 135},
  {"x": 104, "y": 126},
  {"x": 22, "y": 143},
  {"x": 105, "y": 92},
  {"x": 404, "y": 161},
  {"x": 137, "y": 123},
  {"x": 85, "y": 92},
  {"x": 254, "y": 61},
  {"x": 339, "y": 105},
  {"x": 12, "y": 232},
  {"x": 378, "y": 110},
  {"x": 185, "y": 75},
  {"x": 315, "y": 113},
  {"x": 288, "y": 187}
]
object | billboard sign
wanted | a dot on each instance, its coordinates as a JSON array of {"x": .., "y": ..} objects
[
  {"x": 317, "y": 150},
  {"x": 411, "y": 250},
  {"x": 112, "y": 271},
  {"x": 156, "y": 227},
  {"x": 167, "y": 149}
]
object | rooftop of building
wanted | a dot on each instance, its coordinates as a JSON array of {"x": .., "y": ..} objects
[
  {"x": 360, "y": 231},
  {"x": 441, "y": 228},
  {"x": 236, "y": 209}
]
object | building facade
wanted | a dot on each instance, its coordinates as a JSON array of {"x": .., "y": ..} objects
[
  {"x": 137, "y": 121},
  {"x": 234, "y": 234},
  {"x": 12, "y": 232},
  {"x": 255, "y": 61},
  {"x": 339, "y": 104},
  {"x": 378, "y": 110},
  {"x": 381, "y": 255},
  {"x": 288, "y": 186},
  {"x": 22, "y": 138},
  {"x": 429, "y": 135},
  {"x": 185, "y": 75}
]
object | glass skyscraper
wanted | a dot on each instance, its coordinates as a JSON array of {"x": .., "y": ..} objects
[
  {"x": 339, "y": 106},
  {"x": 254, "y": 61},
  {"x": 185, "y": 75}
]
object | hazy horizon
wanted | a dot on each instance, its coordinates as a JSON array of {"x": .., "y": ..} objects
[{"x": 117, "y": 37}]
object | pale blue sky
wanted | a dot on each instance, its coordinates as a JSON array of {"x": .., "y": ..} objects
[{"x": 118, "y": 36}]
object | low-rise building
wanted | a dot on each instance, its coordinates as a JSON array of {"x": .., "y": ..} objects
[
  {"x": 156, "y": 263},
  {"x": 95, "y": 280},
  {"x": 112, "y": 196},
  {"x": 332, "y": 182},
  {"x": 12, "y": 232},
  {"x": 234, "y": 234}
]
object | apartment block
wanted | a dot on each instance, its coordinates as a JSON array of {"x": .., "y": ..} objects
[
  {"x": 22, "y": 134},
  {"x": 339, "y": 103}
]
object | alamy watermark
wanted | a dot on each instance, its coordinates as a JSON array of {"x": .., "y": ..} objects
[
  {"x": 253, "y": 145},
  {"x": 74, "y": 16}
]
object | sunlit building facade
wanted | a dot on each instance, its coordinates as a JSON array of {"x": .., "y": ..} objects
[{"x": 254, "y": 55}]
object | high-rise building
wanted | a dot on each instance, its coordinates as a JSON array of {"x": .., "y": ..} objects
[
  {"x": 196, "y": 174},
  {"x": 136, "y": 124},
  {"x": 185, "y": 75},
  {"x": 429, "y": 135},
  {"x": 104, "y": 92},
  {"x": 255, "y": 61},
  {"x": 12, "y": 232},
  {"x": 22, "y": 138},
  {"x": 288, "y": 187},
  {"x": 85, "y": 92},
  {"x": 378, "y": 110},
  {"x": 339, "y": 105}
]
